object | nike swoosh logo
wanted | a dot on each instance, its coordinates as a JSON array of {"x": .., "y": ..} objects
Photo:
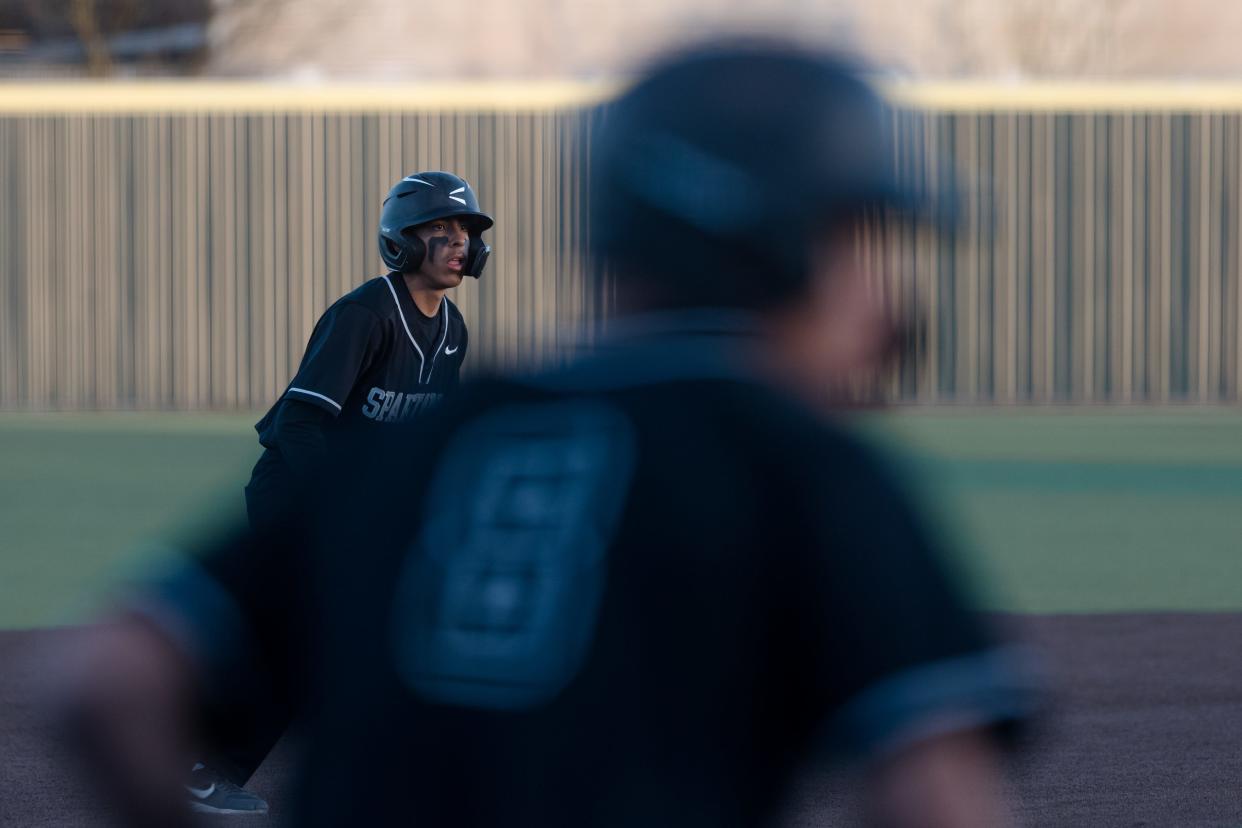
[
  {"x": 202, "y": 793},
  {"x": 451, "y": 350}
]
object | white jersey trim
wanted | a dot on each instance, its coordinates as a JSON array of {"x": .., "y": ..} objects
[
  {"x": 422, "y": 360},
  {"x": 316, "y": 394},
  {"x": 443, "y": 336}
]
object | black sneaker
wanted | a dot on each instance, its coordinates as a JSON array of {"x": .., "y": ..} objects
[{"x": 211, "y": 793}]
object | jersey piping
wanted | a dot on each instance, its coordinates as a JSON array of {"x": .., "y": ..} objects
[
  {"x": 443, "y": 336},
  {"x": 315, "y": 394},
  {"x": 422, "y": 359}
]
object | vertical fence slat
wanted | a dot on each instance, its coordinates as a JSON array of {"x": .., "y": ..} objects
[{"x": 179, "y": 259}]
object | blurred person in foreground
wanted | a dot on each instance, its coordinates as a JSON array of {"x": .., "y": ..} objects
[{"x": 642, "y": 590}]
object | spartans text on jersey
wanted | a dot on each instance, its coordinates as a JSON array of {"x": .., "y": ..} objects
[{"x": 395, "y": 406}]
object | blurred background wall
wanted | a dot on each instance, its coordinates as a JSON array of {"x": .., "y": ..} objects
[
  {"x": 404, "y": 39},
  {"x": 103, "y": 38},
  {"x": 542, "y": 38}
]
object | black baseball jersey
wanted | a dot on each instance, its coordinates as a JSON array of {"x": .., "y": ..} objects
[
  {"x": 374, "y": 358},
  {"x": 639, "y": 591}
]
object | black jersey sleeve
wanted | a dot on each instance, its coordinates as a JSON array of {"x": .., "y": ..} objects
[
  {"x": 898, "y": 652},
  {"x": 344, "y": 343},
  {"x": 298, "y": 431}
]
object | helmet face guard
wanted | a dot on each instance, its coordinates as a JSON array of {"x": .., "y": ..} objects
[{"x": 423, "y": 197}]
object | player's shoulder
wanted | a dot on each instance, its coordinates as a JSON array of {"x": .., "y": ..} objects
[
  {"x": 375, "y": 295},
  {"x": 785, "y": 424},
  {"x": 365, "y": 306},
  {"x": 747, "y": 414},
  {"x": 813, "y": 448}
]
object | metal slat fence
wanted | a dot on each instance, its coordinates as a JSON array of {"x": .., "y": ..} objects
[
  {"x": 1098, "y": 259},
  {"x": 178, "y": 256},
  {"x": 180, "y": 260}
]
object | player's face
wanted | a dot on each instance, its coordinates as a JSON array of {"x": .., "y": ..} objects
[
  {"x": 840, "y": 329},
  {"x": 447, "y": 241}
]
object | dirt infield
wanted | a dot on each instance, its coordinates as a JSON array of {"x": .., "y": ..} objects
[{"x": 1144, "y": 729}]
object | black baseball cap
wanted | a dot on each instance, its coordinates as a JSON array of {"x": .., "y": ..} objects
[{"x": 721, "y": 163}]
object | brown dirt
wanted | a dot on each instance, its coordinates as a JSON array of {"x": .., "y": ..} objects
[{"x": 1144, "y": 728}]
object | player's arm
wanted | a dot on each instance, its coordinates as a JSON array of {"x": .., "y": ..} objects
[
  {"x": 909, "y": 679},
  {"x": 300, "y": 430},
  {"x": 948, "y": 781},
  {"x": 345, "y": 342},
  {"x": 136, "y": 680},
  {"x": 123, "y": 693}
]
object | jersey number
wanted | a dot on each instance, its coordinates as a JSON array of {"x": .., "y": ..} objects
[{"x": 498, "y": 601}]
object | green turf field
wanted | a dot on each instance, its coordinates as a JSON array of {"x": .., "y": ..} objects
[
  {"x": 86, "y": 500},
  {"x": 1086, "y": 510},
  {"x": 1070, "y": 510}
]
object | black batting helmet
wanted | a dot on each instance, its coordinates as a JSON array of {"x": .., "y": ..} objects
[
  {"x": 422, "y": 197},
  {"x": 711, "y": 176}
]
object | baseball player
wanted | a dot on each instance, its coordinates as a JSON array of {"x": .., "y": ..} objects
[
  {"x": 644, "y": 589},
  {"x": 378, "y": 356},
  {"x": 385, "y": 351}
]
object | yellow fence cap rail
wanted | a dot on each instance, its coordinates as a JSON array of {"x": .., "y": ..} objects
[
  {"x": 191, "y": 96},
  {"x": 1067, "y": 96}
]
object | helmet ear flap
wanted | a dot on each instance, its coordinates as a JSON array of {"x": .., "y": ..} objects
[
  {"x": 393, "y": 254},
  {"x": 402, "y": 255},
  {"x": 476, "y": 257}
]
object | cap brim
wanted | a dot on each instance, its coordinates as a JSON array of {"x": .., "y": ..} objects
[
  {"x": 943, "y": 210},
  {"x": 485, "y": 221}
]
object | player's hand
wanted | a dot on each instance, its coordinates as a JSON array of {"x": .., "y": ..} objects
[
  {"x": 948, "y": 781},
  {"x": 120, "y": 696}
]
